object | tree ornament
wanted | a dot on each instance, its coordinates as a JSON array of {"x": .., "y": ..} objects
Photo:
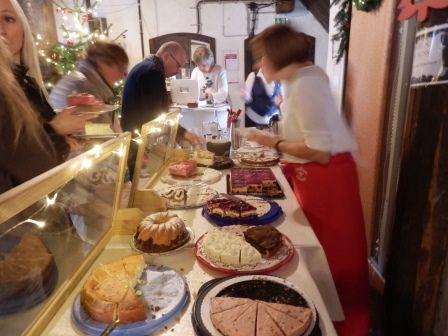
[
  {"x": 58, "y": 10},
  {"x": 54, "y": 56},
  {"x": 85, "y": 18},
  {"x": 70, "y": 42},
  {"x": 79, "y": 55},
  {"x": 64, "y": 10},
  {"x": 123, "y": 36}
]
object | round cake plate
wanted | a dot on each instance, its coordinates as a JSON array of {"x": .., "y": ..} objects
[
  {"x": 201, "y": 309},
  {"x": 268, "y": 265},
  {"x": 165, "y": 288},
  {"x": 107, "y": 108},
  {"x": 202, "y": 175},
  {"x": 197, "y": 195},
  {"x": 29, "y": 297},
  {"x": 272, "y": 215},
  {"x": 189, "y": 241}
]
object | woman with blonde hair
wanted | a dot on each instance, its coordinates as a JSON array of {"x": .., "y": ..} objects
[
  {"x": 15, "y": 30},
  {"x": 317, "y": 147},
  {"x": 25, "y": 148}
]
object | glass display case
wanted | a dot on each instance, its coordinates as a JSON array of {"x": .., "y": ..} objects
[
  {"x": 156, "y": 142},
  {"x": 51, "y": 230}
]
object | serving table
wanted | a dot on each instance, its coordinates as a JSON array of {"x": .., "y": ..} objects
[
  {"x": 192, "y": 118},
  {"x": 308, "y": 268}
]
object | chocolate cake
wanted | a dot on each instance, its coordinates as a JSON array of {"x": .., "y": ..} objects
[{"x": 265, "y": 238}]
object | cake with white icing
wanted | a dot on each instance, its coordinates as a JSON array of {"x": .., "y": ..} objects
[
  {"x": 229, "y": 248},
  {"x": 160, "y": 232}
]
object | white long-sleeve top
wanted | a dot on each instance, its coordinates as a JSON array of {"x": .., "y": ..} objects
[
  {"x": 214, "y": 83},
  {"x": 310, "y": 115}
]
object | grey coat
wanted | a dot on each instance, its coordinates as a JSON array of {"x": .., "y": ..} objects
[{"x": 86, "y": 79}]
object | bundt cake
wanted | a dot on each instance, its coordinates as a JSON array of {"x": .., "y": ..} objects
[{"x": 160, "y": 232}]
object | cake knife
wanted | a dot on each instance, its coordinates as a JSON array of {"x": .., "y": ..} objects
[{"x": 110, "y": 328}]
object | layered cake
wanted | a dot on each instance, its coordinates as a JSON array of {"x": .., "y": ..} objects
[
  {"x": 258, "y": 159},
  {"x": 239, "y": 316},
  {"x": 183, "y": 168},
  {"x": 160, "y": 232},
  {"x": 88, "y": 101},
  {"x": 26, "y": 268},
  {"x": 229, "y": 248},
  {"x": 204, "y": 157},
  {"x": 108, "y": 293},
  {"x": 254, "y": 181},
  {"x": 229, "y": 208},
  {"x": 265, "y": 238},
  {"x": 91, "y": 128}
]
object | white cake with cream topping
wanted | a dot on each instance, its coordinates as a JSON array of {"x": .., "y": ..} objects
[{"x": 229, "y": 248}]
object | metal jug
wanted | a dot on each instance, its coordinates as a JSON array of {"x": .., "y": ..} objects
[{"x": 274, "y": 124}]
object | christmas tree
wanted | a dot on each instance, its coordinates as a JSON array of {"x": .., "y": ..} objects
[{"x": 79, "y": 28}]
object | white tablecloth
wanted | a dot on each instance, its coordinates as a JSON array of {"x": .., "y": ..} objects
[
  {"x": 196, "y": 275},
  {"x": 294, "y": 225},
  {"x": 308, "y": 269}
]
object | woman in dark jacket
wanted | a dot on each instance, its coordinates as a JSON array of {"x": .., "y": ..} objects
[
  {"x": 16, "y": 32},
  {"x": 25, "y": 148}
]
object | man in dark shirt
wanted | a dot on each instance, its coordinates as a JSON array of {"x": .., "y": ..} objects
[{"x": 145, "y": 96}]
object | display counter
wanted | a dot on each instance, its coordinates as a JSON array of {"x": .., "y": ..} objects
[
  {"x": 308, "y": 268},
  {"x": 79, "y": 202}
]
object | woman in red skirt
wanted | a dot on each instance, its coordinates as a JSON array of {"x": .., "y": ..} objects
[{"x": 317, "y": 148}]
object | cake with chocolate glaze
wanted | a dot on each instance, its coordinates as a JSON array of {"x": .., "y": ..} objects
[{"x": 160, "y": 232}]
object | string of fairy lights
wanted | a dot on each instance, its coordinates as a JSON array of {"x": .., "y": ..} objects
[
  {"x": 78, "y": 29},
  {"x": 86, "y": 162}
]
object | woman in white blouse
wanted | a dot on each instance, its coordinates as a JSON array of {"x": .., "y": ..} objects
[
  {"x": 317, "y": 148},
  {"x": 212, "y": 78}
]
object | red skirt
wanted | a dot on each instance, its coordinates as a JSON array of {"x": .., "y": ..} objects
[{"x": 329, "y": 196}]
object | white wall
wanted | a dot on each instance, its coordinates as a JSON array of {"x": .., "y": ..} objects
[{"x": 227, "y": 22}]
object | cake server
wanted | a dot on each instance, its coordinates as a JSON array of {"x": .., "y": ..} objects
[{"x": 110, "y": 327}]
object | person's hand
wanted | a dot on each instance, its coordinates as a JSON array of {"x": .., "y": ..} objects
[
  {"x": 193, "y": 138},
  {"x": 262, "y": 138},
  {"x": 75, "y": 144},
  {"x": 278, "y": 100},
  {"x": 68, "y": 122}
]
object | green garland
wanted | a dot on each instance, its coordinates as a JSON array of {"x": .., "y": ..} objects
[
  {"x": 342, "y": 25},
  {"x": 342, "y": 21},
  {"x": 367, "y": 5}
]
